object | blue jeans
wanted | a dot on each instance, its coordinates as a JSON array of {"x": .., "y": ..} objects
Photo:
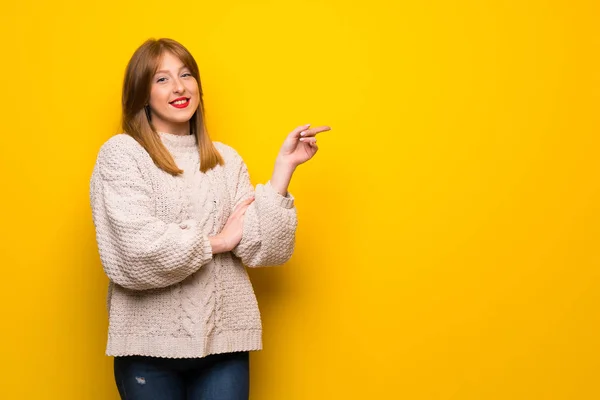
[{"x": 215, "y": 377}]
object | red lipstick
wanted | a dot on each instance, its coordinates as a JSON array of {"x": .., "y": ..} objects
[{"x": 181, "y": 102}]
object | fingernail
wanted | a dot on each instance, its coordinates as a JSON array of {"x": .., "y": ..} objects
[
  {"x": 302, "y": 133},
  {"x": 302, "y": 139}
]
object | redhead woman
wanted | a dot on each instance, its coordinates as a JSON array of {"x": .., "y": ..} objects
[{"x": 176, "y": 220}]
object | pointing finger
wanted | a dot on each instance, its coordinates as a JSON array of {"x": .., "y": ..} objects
[
  {"x": 296, "y": 132},
  {"x": 314, "y": 131}
]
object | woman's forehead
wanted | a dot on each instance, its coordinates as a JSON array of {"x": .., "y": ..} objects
[{"x": 168, "y": 62}]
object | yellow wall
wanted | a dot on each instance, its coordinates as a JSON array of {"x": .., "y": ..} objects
[{"x": 447, "y": 246}]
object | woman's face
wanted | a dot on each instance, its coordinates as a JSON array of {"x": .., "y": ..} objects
[{"x": 173, "y": 97}]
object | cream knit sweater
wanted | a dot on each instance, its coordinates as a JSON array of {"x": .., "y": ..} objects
[{"x": 169, "y": 296}]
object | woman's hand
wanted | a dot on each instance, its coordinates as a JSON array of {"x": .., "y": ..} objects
[
  {"x": 230, "y": 236},
  {"x": 300, "y": 145}
]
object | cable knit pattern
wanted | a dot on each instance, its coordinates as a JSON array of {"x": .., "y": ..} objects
[{"x": 169, "y": 296}]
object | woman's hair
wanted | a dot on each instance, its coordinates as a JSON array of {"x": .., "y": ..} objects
[{"x": 136, "y": 113}]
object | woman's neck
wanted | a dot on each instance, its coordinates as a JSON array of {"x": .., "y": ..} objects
[{"x": 179, "y": 130}]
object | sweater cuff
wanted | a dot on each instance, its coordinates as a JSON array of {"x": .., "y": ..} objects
[
  {"x": 205, "y": 250},
  {"x": 286, "y": 201}
]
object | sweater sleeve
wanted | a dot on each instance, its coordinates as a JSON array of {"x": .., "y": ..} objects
[
  {"x": 138, "y": 250},
  {"x": 269, "y": 223}
]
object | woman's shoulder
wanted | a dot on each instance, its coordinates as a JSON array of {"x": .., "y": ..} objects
[
  {"x": 121, "y": 153},
  {"x": 120, "y": 147},
  {"x": 227, "y": 152},
  {"x": 119, "y": 143}
]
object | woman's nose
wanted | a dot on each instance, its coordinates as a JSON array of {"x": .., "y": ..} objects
[{"x": 178, "y": 86}]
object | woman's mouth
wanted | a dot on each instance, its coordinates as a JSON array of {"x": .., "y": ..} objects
[{"x": 181, "y": 102}]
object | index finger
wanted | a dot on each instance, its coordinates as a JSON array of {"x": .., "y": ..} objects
[
  {"x": 296, "y": 132},
  {"x": 314, "y": 131}
]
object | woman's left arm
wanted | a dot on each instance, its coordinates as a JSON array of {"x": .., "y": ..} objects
[{"x": 270, "y": 221}]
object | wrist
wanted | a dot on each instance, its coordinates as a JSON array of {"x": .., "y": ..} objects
[
  {"x": 281, "y": 163},
  {"x": 281, "y": 178},
  {"x": 219, "y": 244}
]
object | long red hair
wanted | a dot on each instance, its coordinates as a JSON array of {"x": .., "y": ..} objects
[{"x": 136, "y": 115}]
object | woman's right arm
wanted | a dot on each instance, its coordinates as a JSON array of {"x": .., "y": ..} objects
[{"x": 139, "y": 251}]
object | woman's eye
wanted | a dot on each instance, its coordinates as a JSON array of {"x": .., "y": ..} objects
[
  {"x": 161, "y": 80},
  {"x": 186, "y": 74}
]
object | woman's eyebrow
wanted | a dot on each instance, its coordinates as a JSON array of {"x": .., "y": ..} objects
[{"x": 166, "y": 71}]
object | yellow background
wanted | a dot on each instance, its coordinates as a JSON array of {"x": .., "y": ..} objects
[{"x": 447, "y": 246}]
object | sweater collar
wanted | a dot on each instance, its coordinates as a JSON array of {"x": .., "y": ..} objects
[{"x": 178, "y": 142}]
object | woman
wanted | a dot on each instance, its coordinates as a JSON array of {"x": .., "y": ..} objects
[{"x": 176, "y": 218}]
